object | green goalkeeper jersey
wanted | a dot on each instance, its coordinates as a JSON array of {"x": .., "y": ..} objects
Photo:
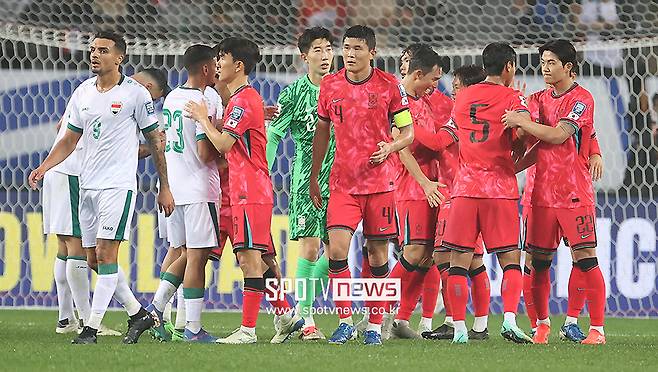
[{"x": 298, "y": 111}]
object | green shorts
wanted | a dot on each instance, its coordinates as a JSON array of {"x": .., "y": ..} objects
[{"x": 305, "y": 220}]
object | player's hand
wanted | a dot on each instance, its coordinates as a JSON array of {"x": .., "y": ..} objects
[
  {"x": 518, "y": 150},
  {"x": 271, "y": 112},
  {"x": 380, "y": 155},
  {"x": 596, "y": 167},
  {"x": 513, "y": 119},
  {"x": 521, "y": 87},
  {"x": 35, "y": 176},
  {"x": 434, "y": 196},
  {"x": 197, "y": 111},
  {"x": 314, "y": 192},
  {"x": 165, "y": 201}
]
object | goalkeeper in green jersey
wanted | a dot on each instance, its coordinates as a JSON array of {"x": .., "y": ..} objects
[{"x": 297, "y": 111}]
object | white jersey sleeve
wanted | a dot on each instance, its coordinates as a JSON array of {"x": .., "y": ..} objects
[
  {"x": 145, "y": 115},
  {"x": 71, "y": 165}
]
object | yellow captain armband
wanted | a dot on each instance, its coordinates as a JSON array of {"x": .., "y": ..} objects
[{"x": 402, "y": 118}]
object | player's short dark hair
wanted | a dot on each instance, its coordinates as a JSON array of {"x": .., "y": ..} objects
[
  {"x": 119, "y": 41},
  {"x": 160, "y": 78},
  {"x": 424, "y": 58},
  {"x": 564, "y": 50},
  {"x": 362, "y": 32},
  {"x": 243, "y": 50},
  {"x": 496, "y": 56},
  {"x": 310, "y": 35},
  {"x": 470, "y": 74},
  {"x": 197, "y": 55}
]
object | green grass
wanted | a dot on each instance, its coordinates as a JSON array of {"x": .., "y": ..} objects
[{"x": 28, "y": 342}]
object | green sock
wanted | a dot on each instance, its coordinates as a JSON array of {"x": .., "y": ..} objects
[
  {"x": 304, "y": 271},
  {"x": 321, "y": 271}
]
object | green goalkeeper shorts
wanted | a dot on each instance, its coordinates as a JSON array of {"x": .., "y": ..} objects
[{"x": 305, "y": 220}]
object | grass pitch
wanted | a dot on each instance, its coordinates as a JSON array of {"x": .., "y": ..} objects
[{"x": 28, "y": 343}]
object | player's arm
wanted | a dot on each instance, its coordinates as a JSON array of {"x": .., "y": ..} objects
[
  {"x": 221, "y": 140},
  {"x": 403, "y": 122},
  {"x": 528, "y": 159},
  {"x": 553, "y": 135},
  {"x": 435, "y": 141},
  {"x": 207, "y": 152},
  {"x": 320, "y": 146},
  {"x": 595, "y": 159},
  {"x": 279, "y": 126},
  {"x": 144, "y": 149},
  {"x": 64, "y": 147}
]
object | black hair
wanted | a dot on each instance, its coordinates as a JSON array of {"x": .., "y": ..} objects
[
  {"x": 310, "y": 35},
  {"x": 119, "y": 41},
  {"x": 564, "y": 50},
  {"x": 470, "y": 74},
  {"x": 424, "y": 58},
  {"x": 197, "y": 55},
  {"x": 241, "y": 49},
  {"x": 411, "y": 49},
  {"x": 496, "y": 56},
  {"x": 362, "y": 32},
  {"x": 160, "y": 78}
]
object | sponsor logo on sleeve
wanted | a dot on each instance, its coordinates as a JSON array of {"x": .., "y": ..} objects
[
  {"x": 403, "y": 94},
  {"x": 235, "y": 116},
  {"x": 577, "y": 111},
  {"x": 150, "y": 109}
]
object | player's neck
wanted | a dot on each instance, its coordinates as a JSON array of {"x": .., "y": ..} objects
[
  {"x": 237, "y": 83},
  {"x": 409, "y": 87},
  {"x": 194, "y": 82},
  {"x": 315, "y": 78},
  {"x": 107, "y": 81},
  {"x": 495, "y": 80},
  {"x": 359, "y": 76},
  {"x": 563, "y": 85}
]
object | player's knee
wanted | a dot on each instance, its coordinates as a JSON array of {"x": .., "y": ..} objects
[
  {"x": 337, "y": 266},
  {"x": 477, "y": 271},
  {"x": 380, "y": 271},
  {"x": 587, "y": 264},
  {"x": 512, "y": 267},
  {"x": 406, "y": 264},
  {"x": 540, "y": 265}
]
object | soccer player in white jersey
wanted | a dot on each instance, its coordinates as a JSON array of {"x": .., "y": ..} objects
[
  {"x": 107, "y": 111},
  {"x": 193, "y": 227},
  {"x": 61, "y": 197}
]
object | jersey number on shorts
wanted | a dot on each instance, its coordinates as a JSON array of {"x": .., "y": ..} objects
[
  {"x": 484, "y": 123},
  {"x": 177, "y": 119},
  {"x": 585, "y": 225}
]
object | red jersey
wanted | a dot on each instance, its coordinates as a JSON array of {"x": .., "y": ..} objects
[
  {"x": 486, "y": 168},
  {"x": 442, "y": 106},
  {"x": 423, "y": 116},
  {"x": 224, "y": 184},
  {"x": 248, "y": 173},
  {"x": 448, "y": 160},
  {"x": 562, "y": 178},
  {"x": 361, "y": 115}
]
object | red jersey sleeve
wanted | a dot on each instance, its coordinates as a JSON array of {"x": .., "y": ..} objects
[
  {"x": 399, "y": 100},
  {"x": 581, "y": 112},
  {"x": 238, "y": 117},
  {"x": 594, "y": 148},
  {"x": 518, "y": 102},
  {"x": 323, "y": 104}
]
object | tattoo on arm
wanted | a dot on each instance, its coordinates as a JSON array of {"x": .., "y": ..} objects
[{"x": 157, "y": 153}]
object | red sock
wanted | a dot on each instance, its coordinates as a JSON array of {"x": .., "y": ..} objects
[
  {"x": 596, "y": 295},
  {"x": 511, "y": 288},
  {"x": 480, "y": 291},
  {"x": 338, "y": 269},
  {"x": 365, "y": 267},
  {"x": 410, "y": 294},
  {"x": 577, "y": 294},
  {"x": 541, "y": 290},
  {"x": 458, "y": 292},
  {"x": 443, "y": 271},
  {"x": 527, "y": 297},
  {"x": 252, "y": 295},
  {"x": 281, "y": 305},
  {"x": 377, "y": 308},
  {"x": 430, "y": 291}
]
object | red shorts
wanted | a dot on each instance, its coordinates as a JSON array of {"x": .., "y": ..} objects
[
  {"x": 225, "y": 233},
  {"x": 377, "y": 211},
  {"x": 444, "y": 212},
  {"x": 417, "y": 222},
  {"x": 496, "y": 219},
  {"x": 251, "y": 227},
  {"x": 545, "y": 227}
]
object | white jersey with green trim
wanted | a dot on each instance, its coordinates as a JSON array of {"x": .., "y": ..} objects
[
  {"x": 110, "y": 124},
  {"x": 190, "y": 179},
  {"x": 72, "y": 164}
]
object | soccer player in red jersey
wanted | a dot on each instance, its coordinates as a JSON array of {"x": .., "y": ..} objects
[
  {"x": 360, "y": 101},
  {"x": 562, "y": 198},
  {"x": 485, "y": 193},
  {"x": 243, "y": 142},
  {"x": 444, "y": 142},
  {"x": 417, "y": 193}
]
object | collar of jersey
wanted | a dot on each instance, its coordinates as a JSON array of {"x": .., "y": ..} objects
[
  {"x": 121, "y": 79},
  {"x": 239, "y": 90},
  {"x": 554, "y": 95},
  {"x": 372, "y": 72},
  {"x": 190, "y": 88}
]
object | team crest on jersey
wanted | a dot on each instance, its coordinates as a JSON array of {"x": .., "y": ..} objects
[
  {"x": 115, "y": 107},
  {"x": 372, "y": 100},
  {"x": 403, "y": 94},
  {"x": 577, "y": 111},
  {"x": 234, "y": 117}
]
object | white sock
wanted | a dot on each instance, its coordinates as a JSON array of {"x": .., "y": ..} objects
[
  {"x": 546, "y": 321},
  {"x": 77, "y": 275},
  {"x": 426, "y": 322},
  {"x": 375, "y": 327},
  {"x": 248, "y": 330},
  {"x": 106, "y": 284},
  {"x": 193, "y": 308},
  {"x": 180, "y": 309},
  {"x": 64, "y": 299},
  {"x": 570, "y": 320},
  {"x": 510, "y": 317},
  {"x": 125, "y": 295},
  {"x": 165, "y": 292},
  {"x": 166, "y": 314},
  {"x": 597, "y": 328},
  {"x": 347, "y": 320},
  {"x": 448, "y": 321},
  {"x": 480, "y": 323},
  {"x": 460, "y": 326}
]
